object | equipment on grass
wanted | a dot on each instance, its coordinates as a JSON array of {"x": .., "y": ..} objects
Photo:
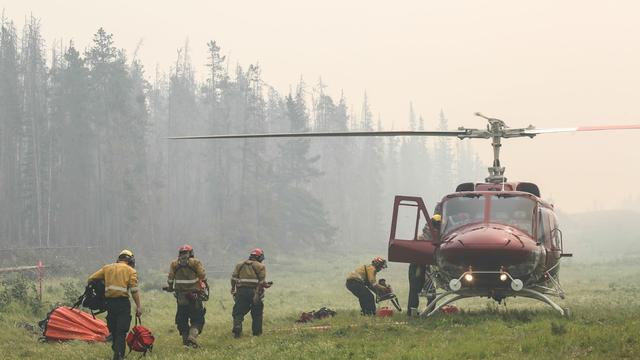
[
  {"x": 321, "y": 313},
  {"x": 392, "y": 298},
  {"x": 140, "y": 338},
  {"x": 384, "y": 312},
  {"x": 65, "y": 323}
]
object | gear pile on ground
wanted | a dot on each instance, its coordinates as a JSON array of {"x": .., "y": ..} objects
[
  {"x": 64, "y": 323},
  {"x": 321, "y": 313}
]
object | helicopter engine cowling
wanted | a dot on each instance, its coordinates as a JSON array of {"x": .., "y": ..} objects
[{"x": 489, "y": 247}]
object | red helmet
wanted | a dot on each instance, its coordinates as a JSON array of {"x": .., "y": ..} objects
[
  {"x": 379, "y": 263},
  {"x": 257, "y": 254},
  {"x": 185, "y": 248}
]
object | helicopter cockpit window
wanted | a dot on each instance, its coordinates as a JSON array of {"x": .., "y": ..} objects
[
  {"x": 460, "y": 211},
  {"x": 513, "y": 211}
]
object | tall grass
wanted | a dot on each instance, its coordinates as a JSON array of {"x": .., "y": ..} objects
[{"x": 603, "y": 298}]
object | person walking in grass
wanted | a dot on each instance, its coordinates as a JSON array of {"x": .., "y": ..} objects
[
  {"x": 248, "y": 282},
  {"x": 120, "y": 279},
  {"x": 188, "y": 280}
]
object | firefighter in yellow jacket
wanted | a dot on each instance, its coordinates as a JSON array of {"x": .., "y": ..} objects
[
  {"x": 362, "y": 281},
  {"x": 248, "y": 282},
  {"x": 188, "y": 279},
  {"x": 120, "y": 278}
]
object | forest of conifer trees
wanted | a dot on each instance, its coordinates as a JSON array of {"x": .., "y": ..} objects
[{"x": 85, "y": 160}]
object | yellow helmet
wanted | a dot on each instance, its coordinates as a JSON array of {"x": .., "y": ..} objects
[
  {"x": 126, "y": 252},
  {"x": 436, "y": 217}
]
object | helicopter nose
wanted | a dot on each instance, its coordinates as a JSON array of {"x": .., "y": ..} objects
[{"x": 488, "y": 246}]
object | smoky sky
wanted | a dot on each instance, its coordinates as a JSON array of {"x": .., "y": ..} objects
[{"x": 546, "y": 63}]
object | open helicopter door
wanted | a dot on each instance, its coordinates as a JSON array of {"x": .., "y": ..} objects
[{"x": 406, "y": 242}]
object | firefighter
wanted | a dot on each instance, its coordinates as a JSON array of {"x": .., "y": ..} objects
[
  {"x": 248, "y": 282},
  {"x": 188, "y": 280},
  {"x": 418, "y": 278},
  {"x": 362, "y": 281},
  {"x": 120, "y": 279}
]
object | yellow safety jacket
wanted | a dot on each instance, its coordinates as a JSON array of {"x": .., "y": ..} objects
[
  {"x": 364, "y": 273},
  {"x": 186, "y": 274},
  {"x": 249, "y": 273},
  {"x": 119, "y": 278}
]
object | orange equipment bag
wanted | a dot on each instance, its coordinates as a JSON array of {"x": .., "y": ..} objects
[
  {"x": 140, "y": 338},
  {"x": 64, "y": 323}
]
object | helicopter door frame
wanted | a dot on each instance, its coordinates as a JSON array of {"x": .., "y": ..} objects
[{"x": 416, "y": 251}]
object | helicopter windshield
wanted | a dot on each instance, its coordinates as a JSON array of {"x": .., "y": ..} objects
[
  {"x": 462, "y": 210},
  {"x": 514, "y": 211}
]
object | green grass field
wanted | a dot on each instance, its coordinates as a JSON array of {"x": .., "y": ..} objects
[{"x": 603, "y": 298}]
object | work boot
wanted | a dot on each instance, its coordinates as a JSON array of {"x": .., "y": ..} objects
[
  {"x": 237, "y": 328},
  {"x": 193, "y": 337}
]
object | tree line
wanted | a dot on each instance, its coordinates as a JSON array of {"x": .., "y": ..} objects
[{"x": 85, "y": 160}]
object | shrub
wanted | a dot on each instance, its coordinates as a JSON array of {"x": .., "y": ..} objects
[
  {"x": 21, "y": 290},
  {"x": 71, "y": 290}
]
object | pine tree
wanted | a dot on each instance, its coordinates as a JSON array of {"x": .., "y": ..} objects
[
  {"x": 369, "y": 198},
  {"x": 302, "y": 215},
  {"x": 35, "y": 136},
  {"x": 74, "y": 149},
  {"x": 443, "y": 159},
  {"x": 10, "y": 128}
]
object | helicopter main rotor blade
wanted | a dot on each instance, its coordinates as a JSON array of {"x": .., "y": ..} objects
[
  {"x": 450, "y": 133},
  {"x": 580, "y": 128}
]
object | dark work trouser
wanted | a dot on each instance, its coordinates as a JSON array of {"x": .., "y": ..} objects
[
  {"x": 417, "y": 278},
  {"x": 188, "y": 315},
  {"x": 118, "y": 322},
  {"x": 244, "y": 304},
  {"x": 364, "y": 295}
]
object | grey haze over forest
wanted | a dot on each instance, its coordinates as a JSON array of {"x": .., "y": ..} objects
[{"x": 86, "y": 162}]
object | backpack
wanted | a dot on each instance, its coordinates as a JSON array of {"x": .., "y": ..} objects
[
  {"x": 203, "y": 293},
  {"x": 93, "y": 297},
  {"x": 140, "y": 338}
]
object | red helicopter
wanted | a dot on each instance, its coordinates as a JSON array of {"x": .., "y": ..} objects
[{"x": 495, "y": 239}]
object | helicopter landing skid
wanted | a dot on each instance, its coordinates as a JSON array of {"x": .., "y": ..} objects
[
  {"x": 432, "y": 308},
  {"x": 437, "y": 304}
]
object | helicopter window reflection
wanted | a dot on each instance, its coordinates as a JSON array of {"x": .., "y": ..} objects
[
  {"x": 460, "y": 211},
  {"x": 513, "y": 211}
]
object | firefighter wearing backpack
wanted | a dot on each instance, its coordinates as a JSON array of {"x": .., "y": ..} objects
[
  {"x": 362, "y": 281},
  {"x": 120, "y": 279},
  {"x": 188, "y": 279},
  {"x": 247, "y": 287}
]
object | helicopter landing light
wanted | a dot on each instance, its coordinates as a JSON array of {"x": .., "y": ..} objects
[
  {"x": 503, "y": 277},
  {"x": 516, "y": 284},
  {"x": 468, "y": 277},
  {"x": 455, "y": 284}
]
